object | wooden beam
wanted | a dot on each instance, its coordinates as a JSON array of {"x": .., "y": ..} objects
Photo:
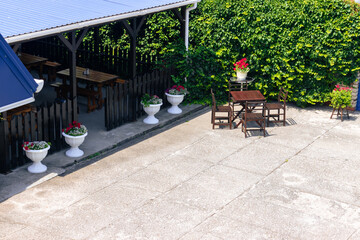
[{"x": 133, "y": 29}]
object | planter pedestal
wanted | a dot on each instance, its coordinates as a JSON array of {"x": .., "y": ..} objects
[
  {"x": 151, "y": 110},
  {"x": 37, "y": 156},
  {"x": 241, "y": 76},
  {"x": 340, "y": 109},
  {"x": 174, "y": 100},
  {"x": 74, "y": 142}
]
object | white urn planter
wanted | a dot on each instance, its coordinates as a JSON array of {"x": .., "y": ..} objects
[
  {"x": 151, "y": 110},
  {"x": 74, "y": 142},
  {"x": 241, "y": 76},
  {"x": 37, "y": 156},
  {"x": 174, "y": 100}
]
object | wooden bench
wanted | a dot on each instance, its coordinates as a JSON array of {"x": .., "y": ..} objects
[
  {"x": 92, "y": 95},
  {"x": 51, "y": 70}
]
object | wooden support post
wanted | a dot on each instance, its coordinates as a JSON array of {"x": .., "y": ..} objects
[
  {"x": 73, "y": 44},
  {"x": 133, "y": 29}
]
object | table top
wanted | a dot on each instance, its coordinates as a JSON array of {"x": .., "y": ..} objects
[
  {"x": 247, "y": 80},
  {"x": 28, "y": 59},
  {"x": 243, "y": 96},
  {"x": 94, "y": 76}
]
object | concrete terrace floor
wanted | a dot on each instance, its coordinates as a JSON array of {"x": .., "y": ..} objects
[{"x": 185, "y": 180}]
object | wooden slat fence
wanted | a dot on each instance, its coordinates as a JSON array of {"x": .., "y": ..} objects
[
  {"x": 101, "y": 58},
  {"x": 122, "y": 103},
  {"x": 43, "y": 125}
]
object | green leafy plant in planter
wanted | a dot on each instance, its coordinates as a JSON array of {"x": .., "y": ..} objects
[
  {"x": 177, "y": 90},
  {"x": 36, "y": 145},
  {"x": 201, "y": 68},
  {"x": 341, "y": 97},
  {"x": 146, "y": 100},
  {"x": 75, "y": 129}
]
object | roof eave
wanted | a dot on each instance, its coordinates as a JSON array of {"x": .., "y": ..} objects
[{"x": 53, "y": 31}]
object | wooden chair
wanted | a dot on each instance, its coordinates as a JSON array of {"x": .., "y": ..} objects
[
  {"x": 234, "y": 86},
  {"x": 217, "y": 114},
  {"x": 279, "y": 107},
  {"x": 254, "y": 112}
]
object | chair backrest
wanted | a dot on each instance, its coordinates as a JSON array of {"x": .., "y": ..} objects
[
  {"x": 213, "y": 99},
  {"x": 254, "y": 107},
  {"x": 282, "y": 95},
  {"x": 234, "y": 86}
]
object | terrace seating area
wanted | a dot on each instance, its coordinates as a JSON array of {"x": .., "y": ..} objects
[{"x": 249, "y": 108}]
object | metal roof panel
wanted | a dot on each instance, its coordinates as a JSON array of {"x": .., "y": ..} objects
[{"x": 18, "y": 17}]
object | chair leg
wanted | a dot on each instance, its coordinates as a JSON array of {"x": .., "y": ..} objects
[
  {"x": 341, "y": 114},
  {"x": 213, "y": 119},
  {"x": 284, "y": 117},
  {"x": 264, "y": 126},
  {"x": 245, "y": 128},
  {"x": 268, "y": 117},
  {"x": 230, "y": 119},
  {"x": 332, "y": 113}
]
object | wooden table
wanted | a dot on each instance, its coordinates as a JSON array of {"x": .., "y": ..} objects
[
  {"x": 93, "y": 79},
  {"x": 243, "y": 96},
  {"x": 31, "y": 61}
]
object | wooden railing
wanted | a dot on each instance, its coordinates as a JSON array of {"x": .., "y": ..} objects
[
  {"x": 44, "y": 124},
  {"x": 122, "y": 102},
  {"x": 100, "y": 58}
]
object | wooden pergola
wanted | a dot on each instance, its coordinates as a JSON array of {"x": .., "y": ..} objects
[{"x": 72, "y": 34}]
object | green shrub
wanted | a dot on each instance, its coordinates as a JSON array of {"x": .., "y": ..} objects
[
  {"x": 199, "y": 70},
  {"x": 305, "y": 46}
]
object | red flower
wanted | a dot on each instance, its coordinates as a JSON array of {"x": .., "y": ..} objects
[{"x": 26, "y": 148}]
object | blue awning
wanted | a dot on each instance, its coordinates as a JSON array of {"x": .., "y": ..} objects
[{"x": 17, "y": 84}]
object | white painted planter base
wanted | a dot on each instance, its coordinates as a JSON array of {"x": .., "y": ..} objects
[
  {"x": 174, "y": 100},
  {"x": 37, "y": 156},
  {"x": 174, "y": 110},
  {"x": 151, "y": 120},
  {"x": 151, "y": 111},
  {"x": 74, "y": 142},
  {"x": 37, "y": 167},
  {"x": 241, "y": 76}
]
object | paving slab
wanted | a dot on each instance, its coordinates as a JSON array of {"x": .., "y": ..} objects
[
  {"x": 285, "y": 221},
  {"x": 221, "y": 227},
  {"x": 184, "y": 180},
  {"x": 260, "y": 158}
]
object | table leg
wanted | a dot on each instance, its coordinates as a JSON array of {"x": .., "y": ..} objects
[
  {"x": 100, "y": 100},
  {"x": 41, "y": 71}
]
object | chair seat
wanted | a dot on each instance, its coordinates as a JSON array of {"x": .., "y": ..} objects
[
  {"x": 223, "y": 109},
  {"x": 274, "y": 106},
  {"x": 253, "y": 116}
]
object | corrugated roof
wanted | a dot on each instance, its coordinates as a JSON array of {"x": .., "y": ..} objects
[{"x": 25, "y": 19}]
